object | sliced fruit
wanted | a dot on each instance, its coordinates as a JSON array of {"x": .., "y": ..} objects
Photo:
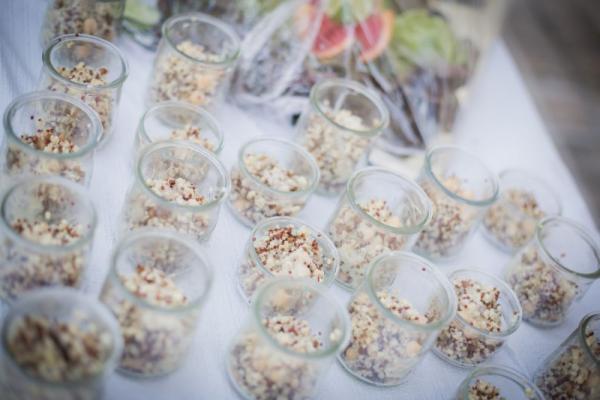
[
  {"x": 374, "y": 34},
  {"x": 332, "y": 39}
]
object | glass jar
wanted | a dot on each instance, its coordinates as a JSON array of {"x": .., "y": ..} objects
[
  {"x": 178, "y": 186},
  {"x": 58, "y": 344},
  {"x": 338, "y": 126},
  {"x": 495, "y": 382},
  {"x": 175, "y": 120},
  {"x": 273, "y": 178},
  {"x": 46, "y": 227},
  {"x": 286, "y": 247},
  {"x": 293, "y": 332},
  {"x": 488, "y": 313},
  {"x": 572, "y": 371},
  {"x": 195, "y": 59},
  {"x": 396, "y": 314},
  {"x": 553, "y": 270},
  {"x": 524, "y": 200},
  {"x": 156, "y": 287},
  {"x": 381, "y": 211},
  {"x": 88, "y": 68},
  {"x": 50, "y": 134},
  {"x": 461, "y": 188},
  {"x": 99, "y": 18}
]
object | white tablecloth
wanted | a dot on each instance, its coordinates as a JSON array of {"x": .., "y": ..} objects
[{"x": 502, "y": 126}]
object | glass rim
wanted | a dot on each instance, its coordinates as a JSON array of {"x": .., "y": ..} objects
[
  {"x": 505, "y": 290},
  {"x": 142, "y": 235},
  {"x": 11, "y": 134},
  {"x": 582, "y": 328},
  {"x": 477, "y": 203},
  {"x": 73, "y": 296},
  {"x": 583, "y": 234},
  {"x": 199, "y": 111},
  {"x": 413, "y": 229},
  {"x": 49, "y": 248},
  {"x": 316, "y": 288},
  {"x": 441, "y": 279},
  {"x": 206, "y": 19},
  {"x": 315, "y": 171},
  {"x": 214, "y": 162},
  {"x": 75, "y": 37},
  {"x": 508, "y": 373},
  {"x": 364, "y": 91},
  {"x": 538, "y": 181},
  {"x": 286, "y": 221}
]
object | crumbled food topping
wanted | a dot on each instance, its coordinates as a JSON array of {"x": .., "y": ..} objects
[
  {"x": 49, "y": 139},
  {"x": 154, "y": 286},
  {"x": 177, "y": 190},
  {"x": 513, "y": 219},
  {"x": 45, "y": 232},
  {"x": 268, "y": 171},
  {"x": 482, "y": 390},
  {"x": 83, "y": 74},
  {"x": 192, "y": 134},
  {"x": 58, "y": 351},
  {"x": 293, "y": 333}
]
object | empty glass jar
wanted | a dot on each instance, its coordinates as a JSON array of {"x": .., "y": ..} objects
[
  {"x": 488, "y": 313},
  {"x": 572, "y": 371},
  {"x": 156, "y": 287},
  {"x": 293, "y": 332},
  {"x": 88, "y": 68},
  {"x": 178, "y": 186},
  {"x": 273, "y": 178},
  {"x": 58, "y": 344},
  {"x": 396, "y": 314},
  {"x": 175, "y": 120},
  {"x": 338, "y": 126},
  {"x": 46, "y": 227},
  {"x": 50, "y": 133},
  {"x": 495, "y": 382},
  {"x": 195, "y": 59},
  {"x": 524, "y": 200},
  {"x": 381, "y": 211},
  {"x": 286, "y": 247},
  {"x": 553, "y": 270},
  {"x": 461, "y": 188}
]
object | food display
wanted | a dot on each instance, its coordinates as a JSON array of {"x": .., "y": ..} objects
[
  {"x": 497, "y": 383},
  {"x": 488, "y": 312},
  {"x": 381, "y": 211},
  {"x": 553, "y": 270}
]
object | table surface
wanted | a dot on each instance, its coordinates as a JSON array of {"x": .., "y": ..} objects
[{"x": 502, "y": 126}]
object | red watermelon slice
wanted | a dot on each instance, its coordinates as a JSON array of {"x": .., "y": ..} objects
[
  {"x": 374, "y": 34},
  {"x": 333, "y": 38}
]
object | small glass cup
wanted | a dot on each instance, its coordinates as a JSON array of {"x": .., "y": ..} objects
[
  {"x": 396, "y": 314},
  {"x": 524, "y": 201},
  {"x": 293, "y": 332},
  {"x": 273, "y": 178},
  {"x": 88, "y": 68},
  {"x": 178, "y": 186},
  {"x": 461, "y": 188},
  {"x": 572, "y": 371},
  {"x": 58, "y": 344},
  {"x": 50, "y": 133},
  {"x": 338, "y": 126},
  {"x": 99, "y": 18},
  {"x": 286, "y": 247},
  {"x": 175, "y": 120},
  {"x": 495, "y": 382},
  {"x": 381, "y": 211},
  {"x": 553, "y": 270},
  {"x": 195, "y": 59},
  {"x": 47, "y": 225},
  {"x": 483, "y": 324},
  {"x": 156, "y": 287}
]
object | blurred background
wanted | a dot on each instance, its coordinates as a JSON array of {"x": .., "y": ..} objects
[{"x": 556, "y": 45}]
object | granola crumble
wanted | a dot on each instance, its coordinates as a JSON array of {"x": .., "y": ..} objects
[
  {"x": 482, "y": 390},
  {"x": 192, "y": 134}
]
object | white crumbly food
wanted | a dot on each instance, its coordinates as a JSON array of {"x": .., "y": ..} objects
[
  {"x": 336, "y": 151},
  {"x": 359, "y": 241},
  {"x": 380, "y": 350},
  {"x": 255, "y": 204},
  {"x": 478, "y": 306},
  {"x": 284, "y": 251},
  {"x": 513, "y": 219},
  {"x": 263, "y": 373},
  {"x": 179, "y": 78},
  {"x": 544, "y": 292},
  {"x": 193, "y": 134},
  {"x": 482, "y": 390},
  {"x": 154, "y": 342}
]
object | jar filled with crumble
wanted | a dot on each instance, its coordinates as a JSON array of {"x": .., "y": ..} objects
[{"x": 498, "y": 383}]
